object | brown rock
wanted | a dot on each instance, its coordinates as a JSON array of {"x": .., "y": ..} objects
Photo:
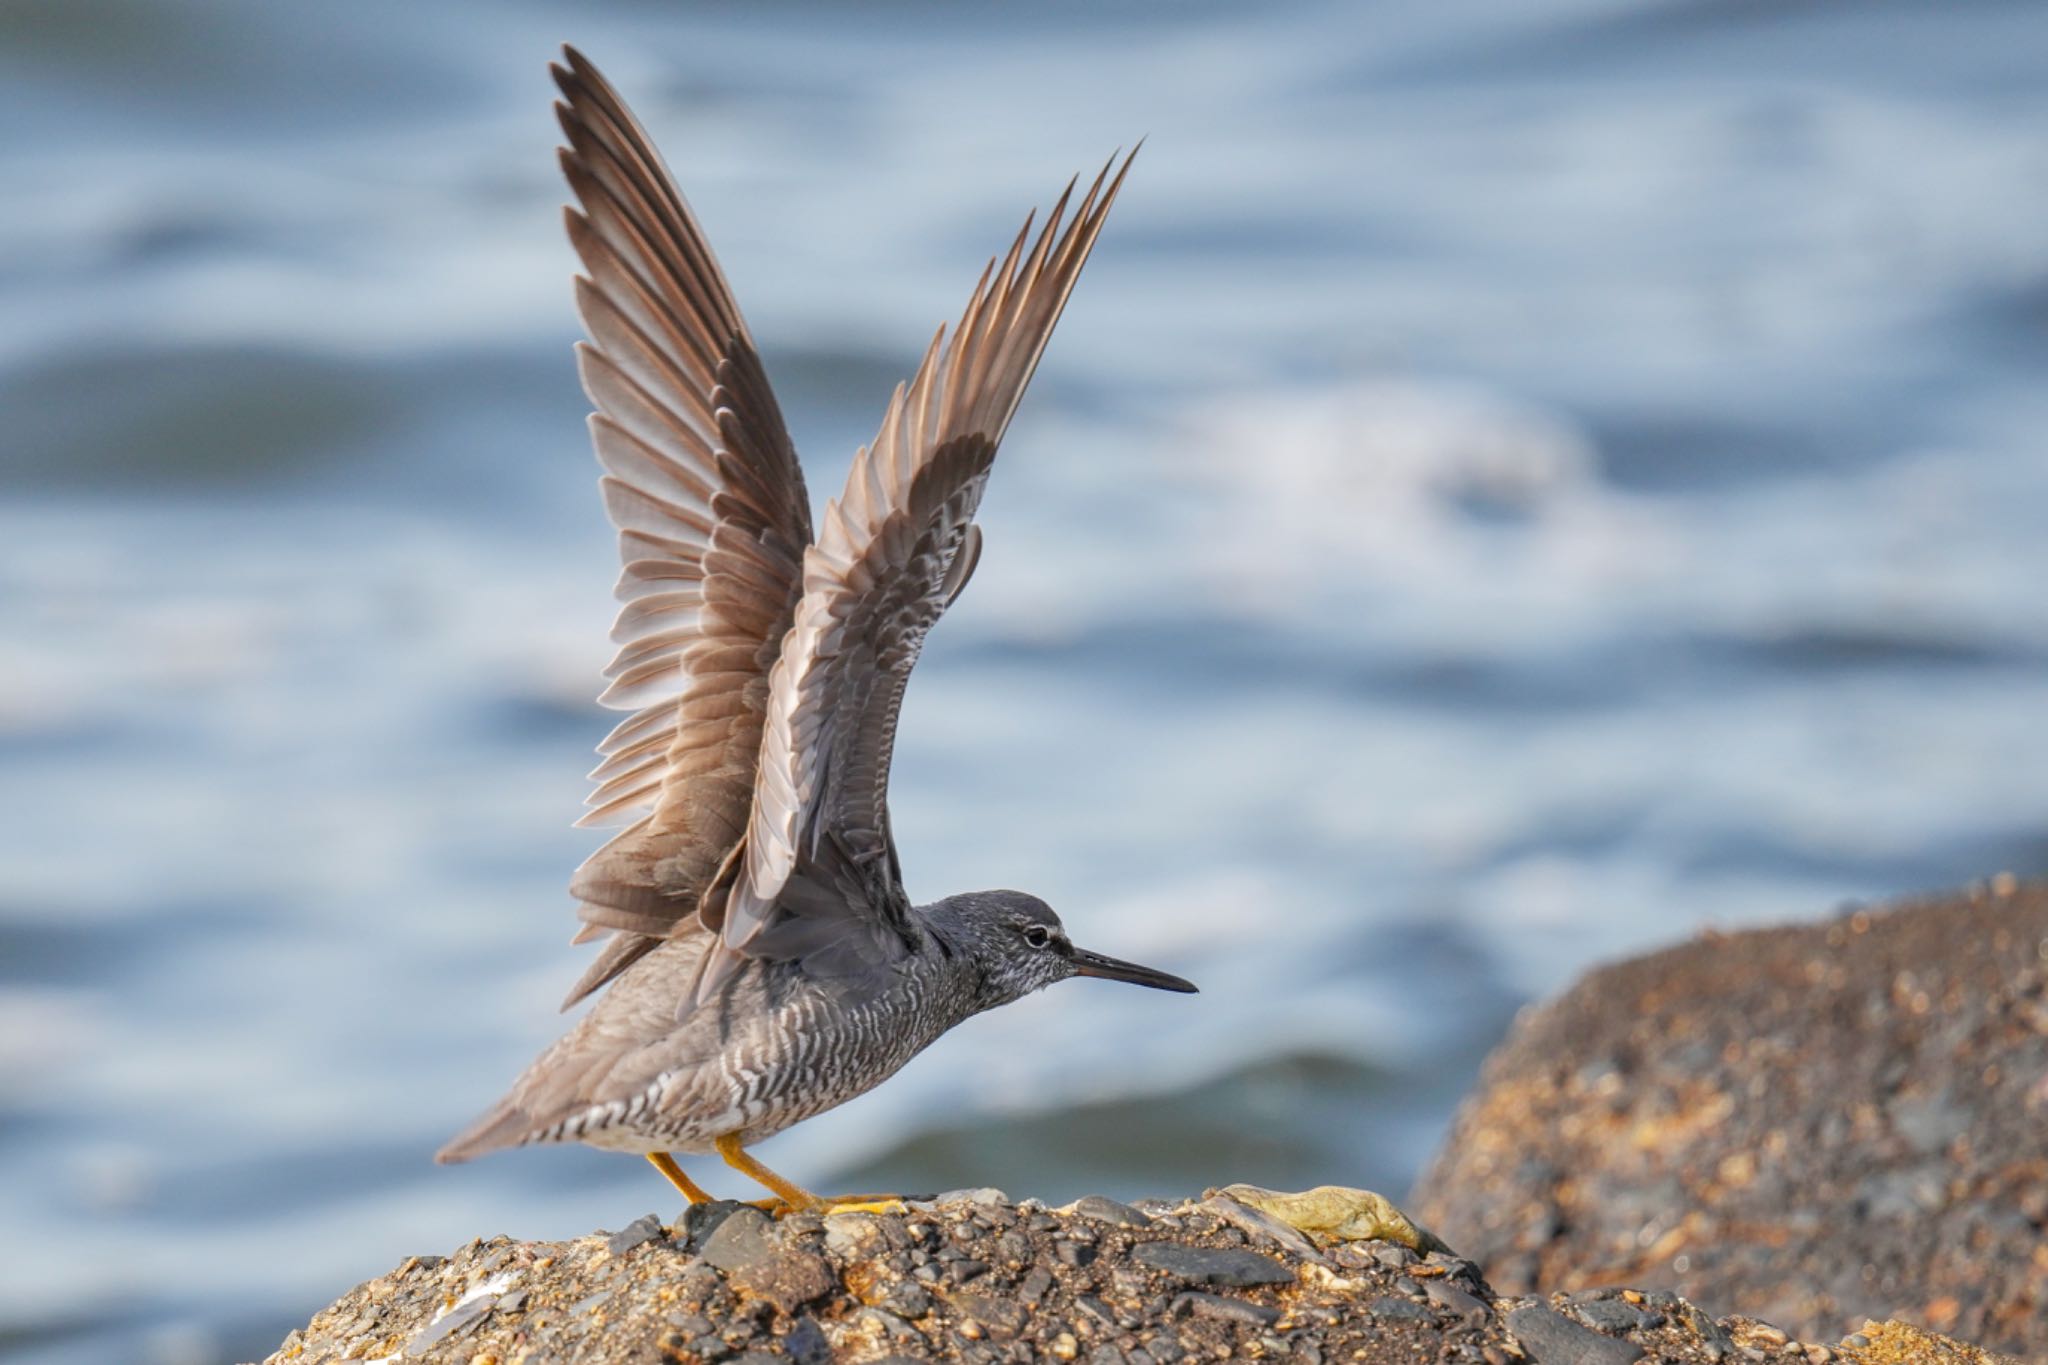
[{"x": 1811, "y": 1125}]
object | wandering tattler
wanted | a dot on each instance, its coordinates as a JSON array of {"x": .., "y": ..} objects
[{"x": 764, "y": 962}]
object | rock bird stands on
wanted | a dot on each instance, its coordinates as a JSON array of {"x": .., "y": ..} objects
[{"x": 763, "y": 961}]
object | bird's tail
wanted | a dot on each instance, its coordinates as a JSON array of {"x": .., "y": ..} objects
[{"x": 505, "y": 1124}]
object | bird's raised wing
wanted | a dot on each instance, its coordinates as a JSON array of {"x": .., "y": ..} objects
[
  {"x": 817, "y": 876},
  {"x": 704, "y": 487}
]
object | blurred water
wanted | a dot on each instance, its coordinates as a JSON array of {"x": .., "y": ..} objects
[{"x": 1518, "y": 482}]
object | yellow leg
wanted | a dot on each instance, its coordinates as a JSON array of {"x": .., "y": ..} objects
[
  {"x": 666, "y": 1164},
  {"x": 795, "y": 1198}
]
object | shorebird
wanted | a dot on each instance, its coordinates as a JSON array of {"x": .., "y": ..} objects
[{"x": 763, "y": 961}]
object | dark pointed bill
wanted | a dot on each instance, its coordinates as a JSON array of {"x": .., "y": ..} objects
[{"x": 1115, "y": 969}]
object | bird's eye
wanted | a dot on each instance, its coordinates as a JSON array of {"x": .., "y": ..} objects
[{"x": 1038, "y": 936}]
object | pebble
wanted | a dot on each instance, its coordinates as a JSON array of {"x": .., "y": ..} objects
[
  {"x": 910, "y": 1299},
  {"x": 746, "y": 1247},
  {"x": 1400, "y": 1310},
  {"x": 983, "y": 1194},
  {"x": 700, "y": 1221},
  {"x": 854, "y": 1236},
  {"x": 1000, "y": 1316},
  {"x": 743, "y": 1237},
  {"x": 1072, "y": 1253},
  {"x": 1553, "y": 1339},
  {"x": 1452, "y": 1299},
  {"x": 806, "y": 1344},
  {"x": 1233, "y": 1267},
  {"x": 645, "y": 1228},
  {"x": 1222, "y": 1308},
  {"x": 1107, "y": 1211},
  {"x": 1613, "y": 1316},
  {"x": 1035, "y": 1286}
]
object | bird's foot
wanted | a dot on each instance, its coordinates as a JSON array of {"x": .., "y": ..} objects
[
  {"x": 829, "y": 1204},
  {"x": 1333, "y": 1213},
  {"x": 864, "y": 1203}
]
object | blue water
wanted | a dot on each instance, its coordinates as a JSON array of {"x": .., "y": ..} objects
[{"x": 1518, "y": 483}]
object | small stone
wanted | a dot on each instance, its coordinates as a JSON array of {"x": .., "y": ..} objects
[
  {"x": 1106, "y": 1355},
  {"x": 965, "y": 1269},
  {"x": 746, "y": 1247},
  {"x": 1222, "y": 1308},
  {"x": 1233, "y": 1267},
  {"x": 806, "y": 1344},
  {"x": 984, "y": 1194},
  {"x": 1072, "y": 1253},
  {"x": 589, "y": 1301},
  {"x": 1392, "y": 1255},
  {"x": 1035, "y": 1286},
  {"x": 1553, "y": 1339},
  {"x": 1613, "y": 1316},
  {"x": 910, "y": 1299},
  {"x": 700, "y": 1221},
  {"x": 1856, "y": 1339},
  {"x": 1768, "y": 1335},
  {"x": 1001, "y": 1317},
  {"x": 645, "y": 1228},
  {"x": 1064, "y": 1347},
  {"x": 854, "y": 1236},
  {"x": 1452, "y": 1299},
  {"x": 1400, "y": 1310},
  {"x": 1107, "y": 1211}
]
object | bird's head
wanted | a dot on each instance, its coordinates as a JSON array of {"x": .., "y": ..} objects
[{"x": 1021, "y": 946}]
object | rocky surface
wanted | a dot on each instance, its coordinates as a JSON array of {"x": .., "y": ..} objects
[
  {"x": 1812, "y": 1125},
  {"x": 975, "y": 1277}
]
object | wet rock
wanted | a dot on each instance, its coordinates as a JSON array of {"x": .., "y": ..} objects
[{"x": 1809, "y": 1125}]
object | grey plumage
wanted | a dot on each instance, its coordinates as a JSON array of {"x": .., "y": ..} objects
[{"x": 763, "y": 962}]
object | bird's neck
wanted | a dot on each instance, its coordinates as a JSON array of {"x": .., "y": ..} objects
[{"x": 961, "y": 951}]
